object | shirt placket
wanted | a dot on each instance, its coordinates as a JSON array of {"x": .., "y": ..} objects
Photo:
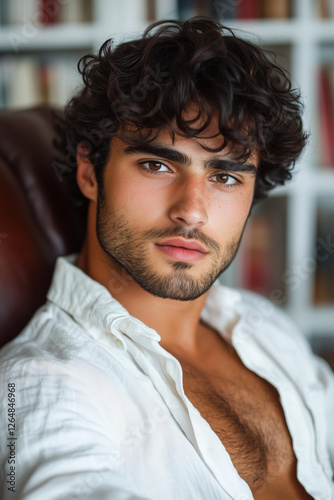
[{"x": 196, "y": 428}]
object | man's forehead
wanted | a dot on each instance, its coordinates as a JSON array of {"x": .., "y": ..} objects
[{"x": 206, "y": 127}]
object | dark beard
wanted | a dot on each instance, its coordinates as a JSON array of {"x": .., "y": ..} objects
[{"x": 127, "y": 249}]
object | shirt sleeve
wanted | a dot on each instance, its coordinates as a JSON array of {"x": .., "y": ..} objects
[
  {"x": 325, "y": 376},
  {"x": 56, "y": 448}
]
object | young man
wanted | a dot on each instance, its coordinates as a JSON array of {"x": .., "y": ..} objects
[{"x": 142, "y": 377}]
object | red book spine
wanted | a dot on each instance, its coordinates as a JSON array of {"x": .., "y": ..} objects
[
  {"x": 257, "y": 262},
  {"x": 49, "y": 11},
  {"x": 326, "y": 125},
  {"x": 248, "y": 9}
]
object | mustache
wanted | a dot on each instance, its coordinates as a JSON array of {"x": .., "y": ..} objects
[{"x": 175, "y": 232}]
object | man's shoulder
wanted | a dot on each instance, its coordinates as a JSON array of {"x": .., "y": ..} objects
[
  {"x": 55, "y": 357},
  {"x": 49, "y": 327},
  {"x": 255, "y": 308},
  {"x": 265, "y": 320},
  {"x": 57, "y": 347},
  {"x": 266, "y": 328},
  {"x": 53, "y": 343}
]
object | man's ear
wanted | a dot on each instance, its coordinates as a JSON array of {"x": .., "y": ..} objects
[{"x": 85, "y": 174}]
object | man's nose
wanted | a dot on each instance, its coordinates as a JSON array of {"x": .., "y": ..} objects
[{"x": 188, "y": 204}]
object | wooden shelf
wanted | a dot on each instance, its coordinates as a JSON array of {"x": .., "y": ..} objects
[{"x": 57, "y": 37}]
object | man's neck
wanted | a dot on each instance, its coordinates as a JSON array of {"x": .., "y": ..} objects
[{"x": 177, "y": 322}]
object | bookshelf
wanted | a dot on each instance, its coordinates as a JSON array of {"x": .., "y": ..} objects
[
  {"x": 307, "y": 40},
  {"x": 304, "y": 41}
]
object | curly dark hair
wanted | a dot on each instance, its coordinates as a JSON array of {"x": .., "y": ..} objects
[{"x": 149, "y": 83}]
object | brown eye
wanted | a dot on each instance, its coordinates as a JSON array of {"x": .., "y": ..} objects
[
  {"x": 155, "y": 166},
  {"x": 223, "y": 178}
]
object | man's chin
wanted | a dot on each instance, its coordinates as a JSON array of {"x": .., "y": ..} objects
[{"x": 182, "y": 289}]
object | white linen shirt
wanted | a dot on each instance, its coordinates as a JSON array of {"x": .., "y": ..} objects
[{"x": 100, "y": 411}]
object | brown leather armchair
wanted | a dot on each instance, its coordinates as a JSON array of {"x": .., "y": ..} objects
[{"x": 37, "y": 220}]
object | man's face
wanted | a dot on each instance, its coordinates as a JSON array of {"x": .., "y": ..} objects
[{"x": 172, "y": 214}]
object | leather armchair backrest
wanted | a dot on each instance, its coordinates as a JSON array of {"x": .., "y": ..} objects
[{"x": 37, "y": 220}]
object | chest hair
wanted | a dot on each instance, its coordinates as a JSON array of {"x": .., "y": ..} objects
[{"x": 248, "y": 419}]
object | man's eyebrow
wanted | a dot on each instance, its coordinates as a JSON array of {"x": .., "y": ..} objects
[
  {"x": 230, "y": 165},
  {"x": 161, "y": 151},
  {"x": 170, "y": 154}
]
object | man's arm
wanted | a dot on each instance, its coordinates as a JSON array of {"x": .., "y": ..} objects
[
  {"x": 326, "y": 378},
  {"x": 57, "y": 447}
]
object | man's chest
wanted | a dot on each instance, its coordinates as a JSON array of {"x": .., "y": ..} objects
[{"x": 245, "y": 413}]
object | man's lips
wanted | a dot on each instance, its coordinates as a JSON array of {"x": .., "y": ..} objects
[
  {"x": 181, "y": 243},
  {"x": 179, "y": 249}
]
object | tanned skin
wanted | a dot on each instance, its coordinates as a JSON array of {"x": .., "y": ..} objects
[
  {"x": 180, "y": 201},
  {"x": 177, "y": 189}
]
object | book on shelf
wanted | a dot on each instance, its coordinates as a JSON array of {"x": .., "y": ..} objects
[
  {"x": 248, "y": 10},
  {"x": 76, "y": 11},
  {"x": 190, "y": 8},
  {"x": 224, "y": 9},
  {"x": 151, "y": 10},
  {"x": 279, "y": 9},
  {"x": 49, "y": 12},
  {"x": 27, "y": 81},
  {"x": 3, "y": 13},
  {"x": 45, "y": 12},
  {"x": 324, "y": 273},
  {"x": 22, "y": 83},
  {"x": 257, "y": 266},
  {"x": 262, "y": 258},
  {"x": 326, "y": 116},
  {"x": 235, "y": 9},
  {"x": 21, "y": 12},
  {"x": 325, "y": 9}
]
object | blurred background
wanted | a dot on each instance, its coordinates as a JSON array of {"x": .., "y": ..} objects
[{"x": 287, "y": 253}]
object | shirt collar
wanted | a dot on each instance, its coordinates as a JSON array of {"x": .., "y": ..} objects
[{"x": 92, "y": 305}]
